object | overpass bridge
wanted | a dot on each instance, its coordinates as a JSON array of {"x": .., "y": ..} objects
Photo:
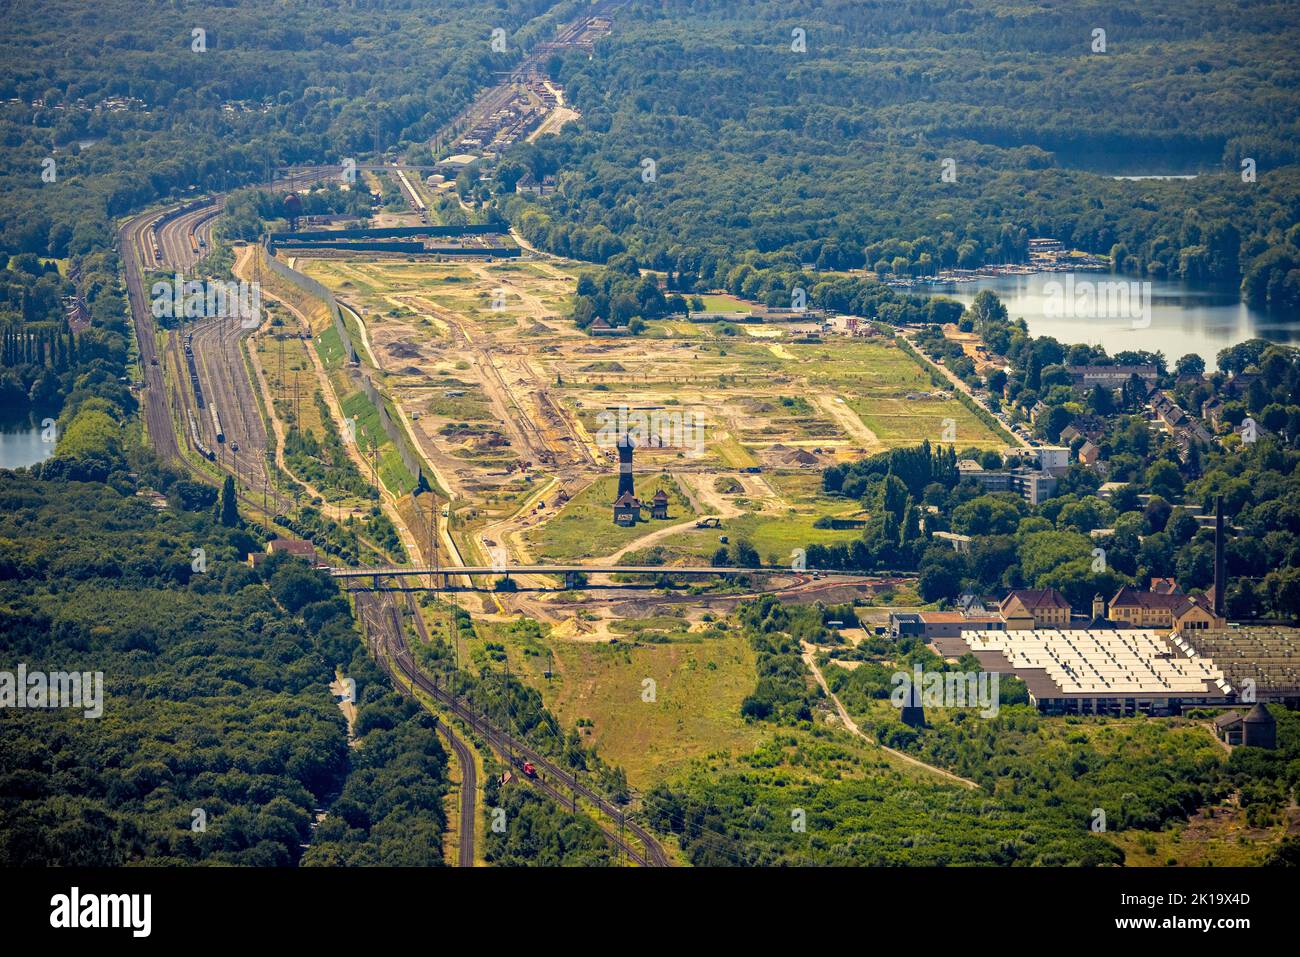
[{"x": 571, "y": 572}]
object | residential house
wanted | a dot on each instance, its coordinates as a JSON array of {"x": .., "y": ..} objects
[
  {"x": 1091, "y": 427},
  {"x": 1212, "y": 412},
  {"x": 1163, "y": 609},
  {"x": 1035, "y": 608},
  {"x": 1111, "y": 376},
  {"x": 285, "y": 546},
  {"x": 1239, "y": 384}
]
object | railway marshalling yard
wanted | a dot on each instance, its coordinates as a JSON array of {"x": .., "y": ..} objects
[{"x": 503, "y": 393}]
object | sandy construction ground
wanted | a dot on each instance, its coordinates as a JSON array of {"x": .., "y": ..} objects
[{"x": 506, "y": 398}]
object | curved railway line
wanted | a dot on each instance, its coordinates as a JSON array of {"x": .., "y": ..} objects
[
  {"x": 468, "y": 770},
  {"x": 384, "y": 633}
]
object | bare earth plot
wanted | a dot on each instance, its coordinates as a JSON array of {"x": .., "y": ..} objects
[{"x": 506, "y": 396}]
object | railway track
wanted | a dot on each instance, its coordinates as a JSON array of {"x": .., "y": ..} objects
[
  {"x": 384, "y": 633},
  {"x": 502, "y": 94},
  {"x": 468, "y": 770},
  {"x": 413, "y": 197},
  {"x": 186, "y": 238},
  {"x": 228, "y": 396},
  {"x": 130, "y": 243},
  {"x": 182, "y": 236}
]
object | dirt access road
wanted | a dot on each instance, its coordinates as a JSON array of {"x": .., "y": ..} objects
[{"x": 810, "y": 659}]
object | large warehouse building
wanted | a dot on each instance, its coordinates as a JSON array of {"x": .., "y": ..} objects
[{"x": 1105, "y": 671}]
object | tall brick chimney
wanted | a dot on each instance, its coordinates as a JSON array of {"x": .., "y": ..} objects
[
  {"x": 625, "y": 483},
  {"x": 1220, "y": 577}
]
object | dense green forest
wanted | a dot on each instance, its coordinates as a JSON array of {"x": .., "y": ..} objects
[
  {"x": 45, "y": 366},
  {"x": 539, "y": 833},
  {"x": 833, "y": 155},
  {"x": 390, "y": 812},
  {"x": 130, "y": 111},
  {"x": 215, "y": 695}
]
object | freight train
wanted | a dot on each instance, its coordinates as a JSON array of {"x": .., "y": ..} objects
[
  {"x": 195, "y": 438},
  {"x": 194, "y": 372}
]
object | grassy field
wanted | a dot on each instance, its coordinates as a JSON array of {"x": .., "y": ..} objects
[
  {"x": 584, "y": 527},
  {"x": 471, "y": 406},
  {"x": 902, "y": 422},
  {"x": 297, "y": 367},
  {"x": 803, "y": 489},
  {"x": 694, "y": 709},
  {"x": 725, "y": 304},
  {"x": 774, "y": 535},
  {"x": 393, "y": 472},
  {"x": 733, "y": 454},
  {"x": 1214, "y": 837},
  {"x": 330, "y": 348}
]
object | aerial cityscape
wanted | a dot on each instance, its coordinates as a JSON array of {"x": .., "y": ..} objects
[{"x": 650, "y": 434}]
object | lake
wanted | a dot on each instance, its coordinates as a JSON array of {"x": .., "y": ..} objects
[
  {"x": 23, "y": 447},
  {"x": 1185, "y": 317}
]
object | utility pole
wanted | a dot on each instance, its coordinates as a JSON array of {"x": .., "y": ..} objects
[
  {"x": 455, "y": 629},
  {"x": 280, "y": 337},
  {"x": 433, "y": 540}
]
